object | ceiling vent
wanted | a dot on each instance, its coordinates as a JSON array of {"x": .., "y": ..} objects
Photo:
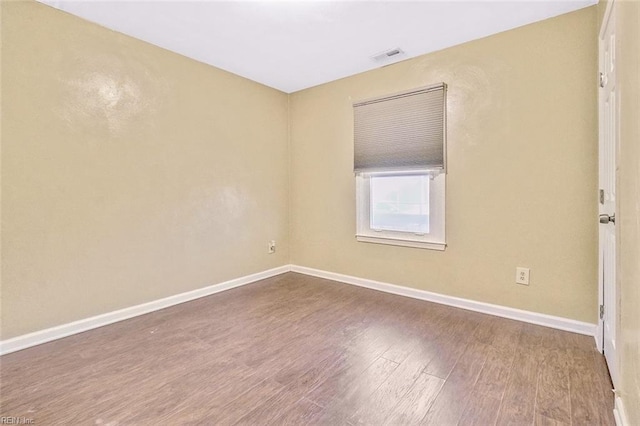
[{"x": 389, "y": 55}]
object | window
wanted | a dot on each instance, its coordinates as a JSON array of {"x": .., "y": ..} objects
[{"x": 399, "y": 163}]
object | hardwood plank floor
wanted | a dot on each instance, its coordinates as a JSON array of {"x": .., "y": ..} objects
[{"x": 294, "y": 350}]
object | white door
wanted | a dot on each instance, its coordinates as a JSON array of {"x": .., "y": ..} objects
[{"x": 608, "y": 146}]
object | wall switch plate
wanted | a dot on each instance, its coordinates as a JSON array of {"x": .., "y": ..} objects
[
  {"x": 272, "y": 247},
  {"x": 522, "y": 276}
]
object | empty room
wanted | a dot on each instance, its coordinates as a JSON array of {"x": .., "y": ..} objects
[{"x": 320, "y": 212}]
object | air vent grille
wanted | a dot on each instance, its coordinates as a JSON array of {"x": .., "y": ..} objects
[{"x": 389, "y": 55}]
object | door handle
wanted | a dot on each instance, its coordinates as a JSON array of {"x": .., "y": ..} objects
[{"x": 605, "y": 218}]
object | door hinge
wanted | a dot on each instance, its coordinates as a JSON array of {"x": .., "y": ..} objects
[
  {"x": 601, "y": 82},
  {"x": 601, "y": 311},
  {"x": 602, "y": 196}
]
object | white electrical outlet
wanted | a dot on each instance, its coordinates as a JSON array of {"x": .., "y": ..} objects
[
  {"x": 522, "y": 276},
  {"x": 272, "y": 247}
]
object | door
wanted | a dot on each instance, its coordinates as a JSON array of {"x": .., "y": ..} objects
[{"x": 608, "y": 147}]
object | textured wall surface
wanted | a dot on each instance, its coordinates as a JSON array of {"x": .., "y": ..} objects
[
  {"x": 522, "y": 162},
  {"x": 129, "y": 173},
  {"x": 628, "y": 37}
]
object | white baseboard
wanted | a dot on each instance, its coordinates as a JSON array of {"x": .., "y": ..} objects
[
  {"x": 485, "y": 308},
  {"x": 598, "y": 336},
  {"x": 64, "y": 330},
  {"x": 620, "y": 414}
]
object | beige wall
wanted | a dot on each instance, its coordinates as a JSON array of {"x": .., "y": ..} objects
[
  {"x": 128, "y": 173},
  {"x": 522, "y": 180},
  {"x": 628, "y": 211}
]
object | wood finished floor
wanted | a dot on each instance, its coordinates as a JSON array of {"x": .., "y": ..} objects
[{"x": 300, "y": 350}]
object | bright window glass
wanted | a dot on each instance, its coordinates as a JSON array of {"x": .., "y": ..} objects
[{"x": 400, "y": 203}]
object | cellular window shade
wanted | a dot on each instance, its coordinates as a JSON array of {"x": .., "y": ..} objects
[{"x": 402, "y": 132}]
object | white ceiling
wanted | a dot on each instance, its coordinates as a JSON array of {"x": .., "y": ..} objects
[{"x": 293, "y": 45}]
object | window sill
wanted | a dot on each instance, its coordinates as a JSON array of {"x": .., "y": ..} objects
[{"x": 402, "y": 243}]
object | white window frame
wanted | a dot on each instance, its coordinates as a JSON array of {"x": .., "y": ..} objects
[{"x": 433, "y": 240}]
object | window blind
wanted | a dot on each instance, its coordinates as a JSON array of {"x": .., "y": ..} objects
[{"x": 401, "y": 132}]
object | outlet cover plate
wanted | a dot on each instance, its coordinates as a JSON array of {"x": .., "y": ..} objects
[{"x": 522, "y": 276}]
